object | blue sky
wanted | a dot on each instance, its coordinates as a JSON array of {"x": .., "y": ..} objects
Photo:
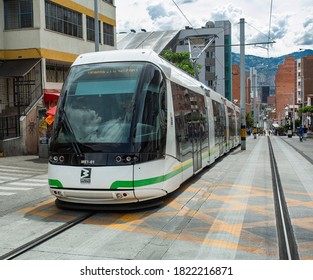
[{"x": 290, "y": 26}]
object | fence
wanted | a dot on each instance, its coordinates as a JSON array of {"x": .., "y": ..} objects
[{"x": 9, "y": 127}]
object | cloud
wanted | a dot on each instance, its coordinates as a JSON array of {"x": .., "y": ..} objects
[
  {"x": 185, "y": 1},
  {"x": 278, "y": 30},
  {"x": 305, "y": 37},
  {"x": 228, "y": 12},
  {"x": 164, "y": 18},
  {"x": 157, "y": 11},
  {"x": 279, "y": 27}
]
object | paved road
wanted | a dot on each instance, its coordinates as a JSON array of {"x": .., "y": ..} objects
[{"x": 23, "y": 181}]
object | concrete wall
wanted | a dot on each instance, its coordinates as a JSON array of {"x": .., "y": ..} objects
[{"x": 28, "y": 142}]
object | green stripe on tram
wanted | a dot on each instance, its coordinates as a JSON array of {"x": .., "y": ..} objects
[
  {"x": 55, "y": 183},
  {"x": 148, "y": 181}
]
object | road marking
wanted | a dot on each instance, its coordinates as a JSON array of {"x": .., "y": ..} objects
[
  {"x": 14, "y": 189},
  {"x": 5, "y": 193},
  {"x": 28, "y": 184}
]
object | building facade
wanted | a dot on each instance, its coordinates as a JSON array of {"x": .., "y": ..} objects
[
  {"x": 285, "y": 80},
  {"x": 305, "y": 80},
  {"x": 216, "y": 64},
  {"x": 39, "y": 40},
  {"x": 236, "y": 88}
]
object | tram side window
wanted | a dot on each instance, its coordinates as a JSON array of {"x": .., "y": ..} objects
[
  {"x": 232, "y": 121},
  {"x": 238, "y": 124},
  {"x": 182, "y": 112},
  {"x": 151, "y": 125},
  {"x": 219, "y": 120}
]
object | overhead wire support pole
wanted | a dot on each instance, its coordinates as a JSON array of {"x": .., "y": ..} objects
[
  {"x": 254, "y": 104},
  {"x": 96, "y": 26},
  {"x": 242, "y": 84},
  {"x": 302, "y": 96},
  {"x": 195, "y": 59}
]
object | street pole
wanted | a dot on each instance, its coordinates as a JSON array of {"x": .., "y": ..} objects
[
  {"x": 242, "y": 84},
  {"x": 302, "y": 98},
  {"x": 254, "y": 104},
  {"x": 96, "y": 26},
  {"x": 293, "y": 115}
]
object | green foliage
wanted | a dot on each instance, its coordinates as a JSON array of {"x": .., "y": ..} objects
[
  {"x": 181, "y": 60},
  {"x": 249, "y": 121},
  {"x": 306, "y": 109}
]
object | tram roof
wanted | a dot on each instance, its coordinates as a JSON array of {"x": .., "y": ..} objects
[{"x": 144, "y": 55}]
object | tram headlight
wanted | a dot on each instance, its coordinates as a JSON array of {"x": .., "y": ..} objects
[
  {"x": 126, "y": 158},
  {"x": 57, "y": 159},
  {"x": 118, "y": 158}
]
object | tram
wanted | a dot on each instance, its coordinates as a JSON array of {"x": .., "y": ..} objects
[{"x": 130, "y": 127}]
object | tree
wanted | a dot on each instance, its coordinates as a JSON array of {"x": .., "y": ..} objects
[
  {"x": 306, "y": 109},
  {"x": 181, "y": 60},
  {"x": 249, "y": 120}
]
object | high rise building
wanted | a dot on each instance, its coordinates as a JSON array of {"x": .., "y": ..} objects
[
  {"x": 216, "y": 64},
  {"x": 285, "y": 86},
  {"x": 305, "y": 80},
  {"x": 265, "y": 93}
]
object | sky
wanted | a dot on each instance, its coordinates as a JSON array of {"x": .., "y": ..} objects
[{"x": 290, "y": 24}]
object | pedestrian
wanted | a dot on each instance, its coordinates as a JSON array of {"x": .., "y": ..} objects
[
  {"x": 300, "y": 133},
  {"x": 305, "y": 133}
]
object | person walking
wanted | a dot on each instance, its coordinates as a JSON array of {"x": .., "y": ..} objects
[
  {"x": 300, "y": 133},
  {"x": 305, "y": 133}
]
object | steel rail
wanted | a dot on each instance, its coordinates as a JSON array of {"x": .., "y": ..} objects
[
  {"x": 286, "y": 240},
  {"x": 43, "y": 238}
]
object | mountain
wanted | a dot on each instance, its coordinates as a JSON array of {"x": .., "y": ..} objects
[{"x": 267, "y": 66}]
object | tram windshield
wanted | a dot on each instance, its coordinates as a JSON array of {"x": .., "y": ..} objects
[{"x": 120, "y": 103}]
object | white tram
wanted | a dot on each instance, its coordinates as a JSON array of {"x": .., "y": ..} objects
[{"x": 131, "y": 127}]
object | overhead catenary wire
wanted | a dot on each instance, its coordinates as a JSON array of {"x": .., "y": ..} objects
[
  {"x": 182, "y": 13},
  {"x": 269, "y": 27}
]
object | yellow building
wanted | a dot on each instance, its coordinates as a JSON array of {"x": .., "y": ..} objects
[{"x": 39, "y": 39}]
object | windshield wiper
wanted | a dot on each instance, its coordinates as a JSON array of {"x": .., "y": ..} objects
[
  {"x": 68, "y": 127},
  {"x": 63, "y": 120}
]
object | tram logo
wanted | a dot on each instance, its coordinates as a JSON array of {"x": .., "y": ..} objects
[{"x": 85, "y": 176}]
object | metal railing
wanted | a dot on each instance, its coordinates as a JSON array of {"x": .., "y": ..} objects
[{"x": 9, "y": 127}]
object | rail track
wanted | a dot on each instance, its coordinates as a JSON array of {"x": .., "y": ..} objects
[
  {"x": 45, "y": 237},
  {"x": 286, "y": 239}
]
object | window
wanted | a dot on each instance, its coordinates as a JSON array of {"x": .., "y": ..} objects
[
  {"x": 190, "y": 121},
  {"x": 56, "y": 73},
  {"x": 108, "y": 34},
  {"x": 18, "y": 14},
  {"x": 109, "y": 1},
  {"x": 91, "y": 29},
  {"x": 63, "y": 20}
]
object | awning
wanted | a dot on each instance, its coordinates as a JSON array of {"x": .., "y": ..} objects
[
  {"x": 17, "y": 68},
  {"x": 51, "y": 111},
  {"x": 51, "y": 95}
]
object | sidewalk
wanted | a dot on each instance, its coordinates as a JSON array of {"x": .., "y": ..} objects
[{"x": 305, "y": 147}]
